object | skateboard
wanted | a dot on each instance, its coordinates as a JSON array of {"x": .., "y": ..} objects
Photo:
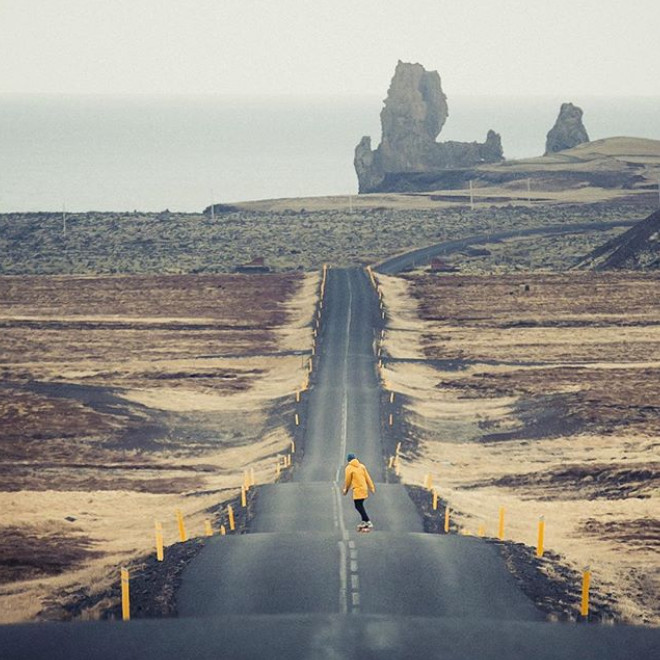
[{"x": 363, "y": 529}]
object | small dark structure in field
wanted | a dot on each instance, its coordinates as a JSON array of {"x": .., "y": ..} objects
[
  {"x": 442, "y": 266},
  {"x": 257, "y": 265}
]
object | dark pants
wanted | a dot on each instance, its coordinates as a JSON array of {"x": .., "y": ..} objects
[{"x": 359, "y": 505}]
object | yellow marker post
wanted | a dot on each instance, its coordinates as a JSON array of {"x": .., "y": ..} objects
[
  {"x": 447, "y": 519},
  {"x": 435, "y": 500},
  {"x": 223, "y": 530},
  {"x": 288, "y": 460},
  {"x": 243, "y": 497},
  {"x": 208, "y": 530},
  {"x": 539, "y": 543},
  {"x": 297, "y": 396},
  {"x": 586, "y": 581},
  {"x": 391, "y": 397},
  {"x": 297, "y": 420},
  {"x": 500, "y": 528},
  {"x": 391, "y": 420},
  {"x": 125, "y": 596},
  {"x": 182, "y": 528},
  {"x": 398, "y": 448},
  {"x": 160, "y": 554},
  {"x": 230, "y": 515},
  {"x": 278, "y": 468},
  {"x": 246, "y": 480},
  {"x": 390, "y": 465},
  {"x": 293, "y": 446},
  {"x": 428, "y": 481}
]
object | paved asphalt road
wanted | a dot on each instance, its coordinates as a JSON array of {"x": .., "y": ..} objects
[
  {"x": 424, "y": 255},
  {"x": 305, "y": 584}
]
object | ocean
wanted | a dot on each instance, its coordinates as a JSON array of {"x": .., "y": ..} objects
[{"x": 147, "y": 153}]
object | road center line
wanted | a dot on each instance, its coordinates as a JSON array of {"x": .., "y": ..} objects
[
  {"x": 335, "y": 506},
  {"x": 344, "y": 406},
  {"x": 336, "y": 503},
  {"x": 343, "y": 579}
]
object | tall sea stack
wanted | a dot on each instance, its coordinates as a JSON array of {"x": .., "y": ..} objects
[
  {"x": 568, "y": 131},
  {"x": 414, "y": 113}
]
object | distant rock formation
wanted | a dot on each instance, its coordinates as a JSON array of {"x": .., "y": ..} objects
[
  {"x": 414, "y": 113},
  {"x": 568, "y": 131},
  {"x": 636, "y": 249}
]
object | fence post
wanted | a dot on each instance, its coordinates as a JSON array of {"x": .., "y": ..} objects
[
  {"x": 160, "y": 555},
  {"x": 182, "y": 528},
  {"x": 500, "y": 528},
  {"x": 435, "y": 500},
  {"x": 230, "y": 515},
  {"x": 125, "y": 596},
  {"x": 243, "y": 496},
  {"x": 208, "y": 530},
  {"x": 447, "y": 519},
  {"x": 586, "y": 582},
  {"x": 539, "y": 543}
]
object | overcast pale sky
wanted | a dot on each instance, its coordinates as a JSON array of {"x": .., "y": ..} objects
[{"x": 300, "y": 47}]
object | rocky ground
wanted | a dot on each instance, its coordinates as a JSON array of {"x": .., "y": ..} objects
[
  {"x": 289, "y": 236},
  {"x": 123, "y": 399},
  {"x": 536, "y": 392}
]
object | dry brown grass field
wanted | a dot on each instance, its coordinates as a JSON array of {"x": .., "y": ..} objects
[
  {"x": 539, "y": 393},
  {"x": 123, "y": 399}
]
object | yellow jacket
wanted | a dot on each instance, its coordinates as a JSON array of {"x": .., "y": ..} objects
[{"x": 358, "y": 478}]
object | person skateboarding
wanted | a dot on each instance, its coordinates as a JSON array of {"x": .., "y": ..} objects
[{"x": 359, "y": 480}]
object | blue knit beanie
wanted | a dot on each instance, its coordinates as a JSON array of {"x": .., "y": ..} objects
[{"x": 350, "y": 457}]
